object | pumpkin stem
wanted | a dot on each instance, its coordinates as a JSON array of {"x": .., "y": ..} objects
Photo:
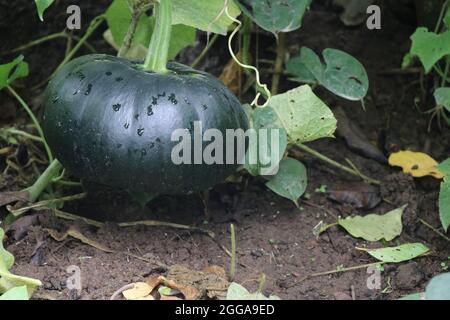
[{"x": 158, "y": 49}]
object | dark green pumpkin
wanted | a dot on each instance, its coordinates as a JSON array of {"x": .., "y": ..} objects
[{"x": 110, "y": 122}]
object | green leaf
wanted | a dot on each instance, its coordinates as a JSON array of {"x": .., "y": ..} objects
[
  {"x": 261, "y": 164},
  {"x": 41, "y": 6},
  {"x": 12, "y": 71},
  {"x": 442, "y": 97},
  {"x": 296, "y": 67},
  {"x": 167, "y": 291},
  {"x": 342, "y": 74},
  {"x": 438, "y": 288},
  {"x": 444, "y": 204},
  {"x": 118, "y": 17},
  {"x": 303, "y": 115},
  {"x": 400, "y": 253},
  {"x": 430, "y": 47},
  {"x": 444, "y": 195},
  {"x": 373, "y": 227},
  {"x": 9, "y": 280},
  {"x": 444, "y": 168},
  {"x": 414, "y": 296},
  {"x": 276, "y": 15},
  {"x": 238, "y": 292},
  {"x": 16, "y": 293},
  {"x": 204, "y": 15},
  {"x": 291, "y": 180},
  {"x": 6, "y": 258}
]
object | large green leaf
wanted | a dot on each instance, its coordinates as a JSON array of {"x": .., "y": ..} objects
[
  {"x": 16, "y": 293},
  {"x": 118, "y": 17},
  {"x": 237, "y": 292},
  {"x": 373, "y": 227},
  {"x": 276, "y": 15},
  {"x": 430, "y": 47},
  {"x": 438, "y": 288},
  {"x": 9, "y": 280},
  {"x": 296, "y": 67},
  {"x": 260, "y": 164},
  {"x": 291, "y": 180},
  {"x": 444, "y": 195},
  {"x": 342, "y": 74},
  {"x": 442, "y": 97},
  {"x": 303, "y": 115},
  {"x": 400, "y": 253},
  {"x": 12, "y": 71},
  {"x": 208, "y": 15},
  {"x": 41, "y": 6}
]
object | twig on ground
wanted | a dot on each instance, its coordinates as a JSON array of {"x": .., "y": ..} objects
[{"x": 434, "y": 230}]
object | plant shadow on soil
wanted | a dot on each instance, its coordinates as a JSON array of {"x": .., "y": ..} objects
[{"x": 273, "y": 236}]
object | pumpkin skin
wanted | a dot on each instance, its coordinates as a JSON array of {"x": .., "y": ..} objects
[{"x": 110, "y": 122}]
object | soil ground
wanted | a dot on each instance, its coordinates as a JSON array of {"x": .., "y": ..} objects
[{"x": 273, "y": 236}]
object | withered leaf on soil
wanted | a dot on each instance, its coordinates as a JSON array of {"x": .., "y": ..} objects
[
  {"x": 355, "y": 138},
  {"x": 19, "y": 228},
  {"x": 140, "y": 290},
  {"x": 417, "y": 164},
  {"x": 13, "y": 196},
  {"x": 211, "y": 281},
  {"x": 75, "y": 233},
  {"x": 357, "y": 194}
]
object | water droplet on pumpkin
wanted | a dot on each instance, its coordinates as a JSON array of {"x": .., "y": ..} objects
[
  {"x": 55, "y": 99},
  {"x": 88, "y": 91},
  {"x": 172, "y": 98},
  {"x": 118, "y": 79},
  {"x": 204, "y": 106},
  {"x": 108, "y": 73},
  {"x": 76, "y": 92},
  {"x": 136, "y": 116},
  {"x": 116, "y": 107},
  {"x": 158, "y": 140},
  {"x": 126, "y": 125},
  {"x": 149, "y": 111},
  {"x": 80, "y": 75},
  {"x": 154, "y": 101},
  {"x": 140, "y": 131}
]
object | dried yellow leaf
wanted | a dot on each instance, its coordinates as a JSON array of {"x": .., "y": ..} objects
[
  {"x": 140, "y": 291},
  {"x": 417, "y": 164}
]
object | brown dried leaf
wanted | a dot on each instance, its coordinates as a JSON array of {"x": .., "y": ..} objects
[
  {"x": 212, "y": 281},
  {"x": 217, "y": 270},
  {"x": 75, "y": 233},
  {"x": 355, "y": 139},
  {"x": 356, "y": 194},
  {"x": 13, "y": 196},
  {"x": 189, "y": 293},
  {"x": 231, "y": 74},
  {"x": 19, "y": 228}
]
